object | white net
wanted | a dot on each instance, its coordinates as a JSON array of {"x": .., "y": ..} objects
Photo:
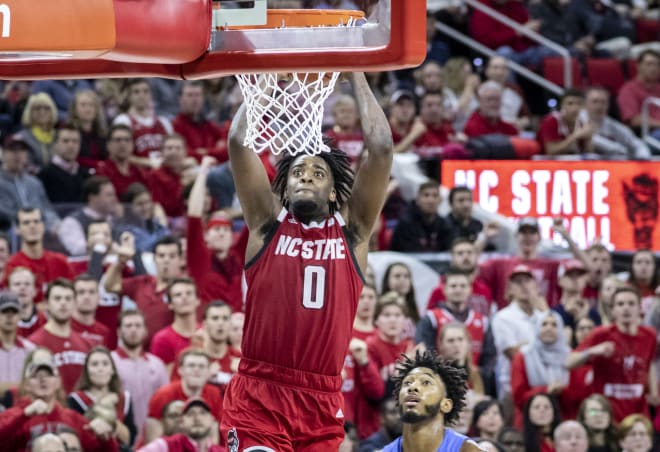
[{"x": 285, "y": 114}]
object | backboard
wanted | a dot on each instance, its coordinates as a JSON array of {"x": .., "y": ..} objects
[{"x": 196, "y": 39}]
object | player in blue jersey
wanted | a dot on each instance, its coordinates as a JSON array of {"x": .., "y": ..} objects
[{"x": 431, "y": 394}]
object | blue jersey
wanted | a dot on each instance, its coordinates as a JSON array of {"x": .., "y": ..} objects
[{"x": 452, "y": 442}]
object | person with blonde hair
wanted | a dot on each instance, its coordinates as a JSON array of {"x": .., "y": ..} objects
[
  {"x": 39, "y": 120},
  {"x": 86, "y": 114},
  {"x": 635, "y": 434}
]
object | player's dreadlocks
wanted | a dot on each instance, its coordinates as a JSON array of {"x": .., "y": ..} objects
[
  {"x": 453, "y": 377},
  {"x": 340, "y": 167}
]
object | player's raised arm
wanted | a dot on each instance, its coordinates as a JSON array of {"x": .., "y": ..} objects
[
  {"x": 252, "y": 186},
  {"x": 372, "y": 178}
]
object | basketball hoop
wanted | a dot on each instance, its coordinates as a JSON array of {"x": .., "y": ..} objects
[{"x": 285, "y": 113}]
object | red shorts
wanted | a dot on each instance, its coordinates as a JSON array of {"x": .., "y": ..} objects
[{"x": 267, "y": 415}]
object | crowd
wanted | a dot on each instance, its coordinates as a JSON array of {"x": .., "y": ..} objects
[{"x": 122, "y": 255}]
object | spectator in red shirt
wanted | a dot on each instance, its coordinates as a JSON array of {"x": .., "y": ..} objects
[
  {"x": 622, "y": 356},
  {"x": 169, "y": 341},
  {"x": 513, "y": 108},
  {"x": 599, "y": 266},
  {"x": 561, "y": 132},
  {"x": 46, "y": 265},
  {"x": 634, "y": 92},
  {"x": 346, "y": 131},
  {"x": 203, "y": 137},
  {"x": 68, "y": 347},
  {"x": 148, "y": 129},
  {"x": 487, "y": 119},
  {"x": 118, "y": 168},
  {"x": 21, "y": 281},
  {"x": 194, "y": 368},
  {"x": 453, "y": 344},
  {"x": 148, "y": 292},
  {"x": 213, "y": 261},
  {"x": 464, "y": 256},
  {"x": 166, "y": 182},
  {"x": 84, "y": 320},
  {"x": 406, "y": 128},
  {"x": 363, "y": 325},
  {"x": 41, "y": 412}
]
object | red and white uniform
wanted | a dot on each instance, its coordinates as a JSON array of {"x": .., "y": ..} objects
[
  {"x": 303, "y": 290},
  {"x": 476, "y": 325},
  {"x": 36, "y": 321},
  {"x": 47, "y": 268},
  {"x": 148, "y": 134},
  {"x": 167, "y": 343},
  {"x": 69, "y": 354},
  {"x": 96, "y": 333},
  {"x": 385, "y": 354},
  {"x": 151, "y": 302},
  {"x": 623, "y": 377}
]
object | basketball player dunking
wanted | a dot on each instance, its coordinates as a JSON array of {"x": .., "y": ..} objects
[{"x": 305, "y": 256}]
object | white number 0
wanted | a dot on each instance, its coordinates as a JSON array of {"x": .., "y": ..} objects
[{"x": 315, "y": 299}]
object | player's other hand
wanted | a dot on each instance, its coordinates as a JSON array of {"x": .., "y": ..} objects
[{"x": 358, "y": 349}]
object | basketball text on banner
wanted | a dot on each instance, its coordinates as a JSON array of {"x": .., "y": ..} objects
[{"x": 616, "y": 201}]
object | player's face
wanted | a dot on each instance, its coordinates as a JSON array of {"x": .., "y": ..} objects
[
  {"x": 194, "y": 371},
  {"x": 236, "y": 329},
  {"x": 596, "y": 417},
  {"x": 637, "y": 440},
  {"x": 30, "y": 227},
  {"x": 61, "y": 304},
  {"x": 22, "y": 284},
  {"x": 217, "y": 323},
  {"x": 183, "y": 299},
  {"x": 643, "y": 266},
  {"x": 8, "y": 321},
  {"x": 464, "y": 257},
  {"x": 428, "y": 201},
  {"x": 398, "y": 280},
  {"x": 366, "y": 303},
  {"x": 454, "y": 344},
  {"x": 87, "y": 296},
  {"x": 540, "y": 411},
  {"x": 219, "y": 238},
  {"x": 132, "y": 331},
  {"x": 572, "y": 439},
  {"x": 457, "y": 289},
  {"x": 422, "y": 396},
  {"x": 168, "y": 261},
  {"x": 196, "y": 422},
  {"x": 43, "y": 384},
  {"x": 390, "y": 321},
  {"x": 626, "y": 309},
  {"x": 549, "y": 331},
  {"x": 99, "y": 369},
  {"x": 310, "y": 186}
]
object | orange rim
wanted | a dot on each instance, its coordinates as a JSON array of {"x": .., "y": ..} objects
[{"x": 278, "y": 18}]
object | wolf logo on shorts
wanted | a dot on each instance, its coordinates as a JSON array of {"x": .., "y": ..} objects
[{"x": 232, "y": 440}]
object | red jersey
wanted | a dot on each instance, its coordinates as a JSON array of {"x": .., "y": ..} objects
[
  {"x": 553, "y": 129},
  {"x": 495, "y": 272},
  {"x": 430, "y": 144},
  {"x": 96, "y": 333},
  {"x": 18, "y": 430},
  {"x": 147, "y": 138},
  {"x": 215, "y": 279},
  {"x": 385, "y": 354},
  {"x": 153, "y": 304},
  {"x": 167, "y": 343},
  {"x": 182, "y": 443},
  {"x": 362, "y": 335},
  {"x": 121, "y": 181},
  {"x": 307, "y": 276},
  {"x": 478, "y": 125},
  {"x": 167, "y": 190},
  {"x": 352, "y": 143},
  {"x": 50, "y": 266},
  {"x": 475, "y": 324},
  {"x": 362, "y": 388},
  {"x": 69, "y": 353},
  {"x": 623, "y": 377},
  {"x": 107, "y": 313},
  {"x": 203, "y": 134},
  {"x": 174, "y": 391},
  {"x": 36, "y": 321},
  {"x": 480, "y": 299}
]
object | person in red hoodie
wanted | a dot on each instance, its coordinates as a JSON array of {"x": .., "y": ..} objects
[{"x": 41, "y": 413}]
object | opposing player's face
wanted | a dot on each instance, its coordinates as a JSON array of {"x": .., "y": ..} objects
[
  {"x": 398, "y": 280},
  {"x": 197, "y": 422},
  {"x": 61, "y": 304},
  {"x": 540, "y": 411},
  {"x": 183, "y": 299},
  {"x": 168, "y": 261},
  {"x": 422, "y": 396},
  {"x": 626, "y": 308},
  {"x": 87, "y": 296},
  {"x": 310, "y": 186},
  {"x": 367, "y": 302},
  {"x": 217, "y": 323},
  {"x": 132, "y": 331},
  {"x": 99, "y": 369},
  {"x": 464, "y": 256}
]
